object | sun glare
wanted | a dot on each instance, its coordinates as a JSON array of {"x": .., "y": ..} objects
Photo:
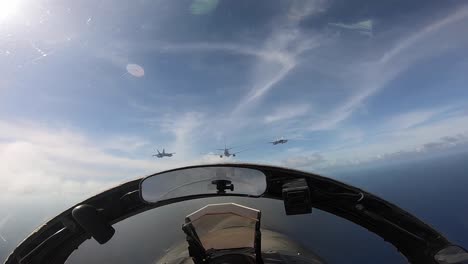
[{"x": 8, "y": 9}]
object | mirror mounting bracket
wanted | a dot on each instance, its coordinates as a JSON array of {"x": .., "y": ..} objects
[
  {"x": 296, "y": 197},
  {"x": 223, "y": 185},
  {"x": 93, "y": 222}
]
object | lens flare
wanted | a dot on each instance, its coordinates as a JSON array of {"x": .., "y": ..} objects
[
  {"x": 135, "y": 70},
  {"x": 8, "y": 9}
]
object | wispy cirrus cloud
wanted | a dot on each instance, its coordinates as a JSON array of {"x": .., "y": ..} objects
[
  {"x": 236, "y": 48},
  {"x": 202, "y": 7},
  {"x": 126, "y": 144},
  {"x": 456, "y": 142},
  {"x": 287, "y": 112},
  {"x": 426, "y": 137},
  {"x": 413, "y": 39},
  {"x": 367, "y": 77},
  {"x": 365, "y": 73},
  {"x": 276, "y": 56},
  {"x": 3, "y": 222},
  {"x": 363, "y": 27},
  {"x": 287, "y": 40},
  {"x": 282, "y": 49},
  {"x": 186, "y": 129},
  {"x": 416, "y": 117}
]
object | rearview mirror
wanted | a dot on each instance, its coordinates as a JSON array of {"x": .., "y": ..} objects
[{"x": 207, "y": 180}]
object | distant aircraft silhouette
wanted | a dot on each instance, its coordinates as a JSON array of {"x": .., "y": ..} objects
[
  {"x": 163, "y": 154},
  {"x": 226, "y": 152},
  {"x": 279, "y": 141}
]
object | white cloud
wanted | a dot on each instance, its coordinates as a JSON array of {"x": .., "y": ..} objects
[
  {"x": 287, "y": 112},
  {"x": 295, "y": 150},
  {"x": 56, "y": 167},
  {"x": 428, "y": 136},
  {"x": 125, "y": 143},
  {"x": 446, "y": 142},
  {"x": 303, "y": 161},
  {"x": 434, "y": 147},
  {"x": 365, "y": 75},
  {"x": 186, "y": 129},
  {"x": 429, "y": 132},
  {"x": 352, "y": 134},
  {"x": 41, "y": 160}
]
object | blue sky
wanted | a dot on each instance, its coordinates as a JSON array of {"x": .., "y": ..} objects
[{"x": 348, "y": 84}]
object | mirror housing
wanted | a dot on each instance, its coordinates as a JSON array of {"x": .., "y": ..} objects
[
  {"x": 296, "y": 197},
  {"x": 91, "y": 220},
  {"x": 203, "y": 181}
]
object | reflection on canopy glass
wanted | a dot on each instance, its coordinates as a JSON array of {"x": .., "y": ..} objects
[{"x": 207, "y": 180}]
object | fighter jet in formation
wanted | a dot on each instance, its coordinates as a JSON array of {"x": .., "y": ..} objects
[
  {"x": 226, "y": 152},
  {"x": 279, "y": 141},
  {"x": 163, "y": 154},
  {"x": 223, "y": 152}
]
